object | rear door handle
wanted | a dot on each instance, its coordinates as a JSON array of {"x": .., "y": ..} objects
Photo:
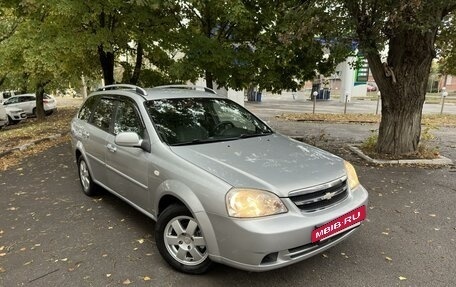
[{"x": 111, "y": 148}]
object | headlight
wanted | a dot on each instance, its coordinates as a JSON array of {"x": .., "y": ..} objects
[
  {"x": 353, "y": 181},
  {"x": 248, "y": 203}
]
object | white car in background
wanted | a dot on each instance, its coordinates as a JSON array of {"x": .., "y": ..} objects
[
  {"x": 3, "y": 117},
  {"x": 11, "y": 115},
  {"x": 27, "y": 102},
  {"x": 15, "y": 115}
]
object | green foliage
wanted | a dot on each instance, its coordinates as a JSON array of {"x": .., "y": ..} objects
[
  {"x": 447, "y": 46},
  {"x": 58, "y": 41},
  {"x": 244, "y": 43},
  {"x": 42, "y": 49},
  {"x": 370, "y": 143},
  {"x": 153, "y": 78}
]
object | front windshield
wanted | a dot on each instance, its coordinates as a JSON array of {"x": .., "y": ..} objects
[{"x": 184, "y": 121}]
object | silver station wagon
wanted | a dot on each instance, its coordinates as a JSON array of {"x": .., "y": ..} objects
[{"x": 220, "y": 184}]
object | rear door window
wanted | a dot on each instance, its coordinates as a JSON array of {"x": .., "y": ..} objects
[{"x": 102, "y": 114}]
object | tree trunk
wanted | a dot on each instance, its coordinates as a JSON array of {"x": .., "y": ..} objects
[
  {"x": 209, "y": 80},
  {"x": 39, "y": 93},
  {"x": 2, "y": 80},
  {"x": 402, "y": 82},
  {"x": 139, "y": 58},
  {"x": 107, "y": 65}
]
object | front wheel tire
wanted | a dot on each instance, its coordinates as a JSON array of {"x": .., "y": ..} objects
[{"x": 180, "y": 240}]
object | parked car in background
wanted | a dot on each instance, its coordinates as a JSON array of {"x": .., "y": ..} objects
[
  {"x": 6, "y": 94},
  {"x": 27, "y": 102},
  {"x": 15, "y": 115},
  {"x": 3, "y": 117},
  {"x": 371, "y": 87},
  {"x": 221, "y": 184}
]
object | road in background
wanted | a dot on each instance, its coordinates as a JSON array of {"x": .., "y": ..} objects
[{"x": 285, "y": 103}]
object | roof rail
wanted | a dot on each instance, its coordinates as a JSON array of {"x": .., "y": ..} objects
[
  {"x": 137, "y": 89},
  {"x": 189, "y": 87}
]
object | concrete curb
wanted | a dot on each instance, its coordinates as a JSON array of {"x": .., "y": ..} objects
[
  {"x": 30, "y": 144},
  {"x": 440, "y": 161}
]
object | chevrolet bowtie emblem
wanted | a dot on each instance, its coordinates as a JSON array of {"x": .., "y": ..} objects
[{"x": 329, "y": 195}]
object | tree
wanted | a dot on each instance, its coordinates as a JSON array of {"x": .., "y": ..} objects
[
  {"x": 238, "y": 43},
  {"x": 43, "y": 51},
  {"x": 116, "y": 28},
  {"x": 407, "y": 31}
]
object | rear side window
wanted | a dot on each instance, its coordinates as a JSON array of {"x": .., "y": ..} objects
[
  {"x": 26, "y": 99},
  {"x": 87, "y": 108},
  {"x": 103, "y": 113}
]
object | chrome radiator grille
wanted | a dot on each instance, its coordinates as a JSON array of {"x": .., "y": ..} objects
[{"x": 327, "y": 196}]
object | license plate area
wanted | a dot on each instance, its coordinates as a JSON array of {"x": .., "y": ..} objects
[{"x": 345, "y": 222}]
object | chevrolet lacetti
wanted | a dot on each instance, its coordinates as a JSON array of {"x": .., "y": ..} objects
[{"x": 220, "y": 184}]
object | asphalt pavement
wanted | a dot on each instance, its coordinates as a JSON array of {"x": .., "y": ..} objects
[{"x": 51, "y": 234}]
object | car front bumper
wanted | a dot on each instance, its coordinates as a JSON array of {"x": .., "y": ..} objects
[
  {"x": 19, "y": 116},
  {"x": 276, "y": 241}
]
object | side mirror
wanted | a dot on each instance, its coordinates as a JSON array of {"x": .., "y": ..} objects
[{"x": 131, "y": 139}]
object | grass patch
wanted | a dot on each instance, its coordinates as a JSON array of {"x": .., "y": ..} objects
[
  {"x": 32, "y": 129},
  {"x": 425, "y": 149}
]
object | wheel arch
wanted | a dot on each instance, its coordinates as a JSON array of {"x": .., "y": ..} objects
[{"x": 186, "y": 197}]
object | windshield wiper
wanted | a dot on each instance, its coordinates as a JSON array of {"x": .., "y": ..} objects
[
  {"x": 197, "y": 141},
  {"x": 213, "y": 140},
  {"x": 244, "y": 136}
]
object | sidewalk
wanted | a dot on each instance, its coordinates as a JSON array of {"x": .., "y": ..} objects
[{"x": 284, "y": 103}]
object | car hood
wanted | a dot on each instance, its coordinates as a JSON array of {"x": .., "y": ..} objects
[
  {"x": 13, "y": 109},
  {"x": 274, "y": 162}
]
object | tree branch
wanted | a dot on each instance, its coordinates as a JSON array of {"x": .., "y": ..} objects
[
  {"x": 447, "y": 10},
  {"x": 10, "y": 32}
]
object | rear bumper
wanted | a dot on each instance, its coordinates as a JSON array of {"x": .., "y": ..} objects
[
  {"x": 276, "y": 241},
  {"x": 50, "y": 110}
]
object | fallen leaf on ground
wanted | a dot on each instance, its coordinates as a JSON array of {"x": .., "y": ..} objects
[
  {"x": 402, "y": 278},
  {"x": 127, "y": 282}
]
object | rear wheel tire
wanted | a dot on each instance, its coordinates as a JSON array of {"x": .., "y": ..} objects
[
  {"x": 180, "y": 240},
  {"x": 87, "y": 184}
]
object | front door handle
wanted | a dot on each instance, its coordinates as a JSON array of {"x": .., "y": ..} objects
[{"x": 111, "y": 148}]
